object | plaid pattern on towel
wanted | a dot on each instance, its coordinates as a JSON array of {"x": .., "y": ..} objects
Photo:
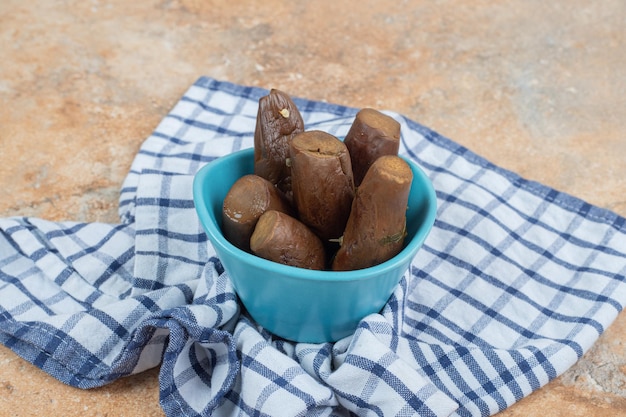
[{"x": 514, "y": 283}]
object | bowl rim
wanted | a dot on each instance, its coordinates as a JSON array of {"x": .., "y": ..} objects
[{"x": 405, "y": 256}]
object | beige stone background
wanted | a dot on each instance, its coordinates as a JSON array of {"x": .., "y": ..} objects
[{"x": 535, "y": 86}]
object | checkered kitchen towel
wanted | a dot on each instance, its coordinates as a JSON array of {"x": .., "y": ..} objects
[{"x": 515, "y": 282}]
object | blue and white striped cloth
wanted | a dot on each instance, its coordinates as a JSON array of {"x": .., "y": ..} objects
[{"x": 515, "y": 282}]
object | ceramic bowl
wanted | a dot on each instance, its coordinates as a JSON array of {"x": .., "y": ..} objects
[{"x": 300, "y": 304}]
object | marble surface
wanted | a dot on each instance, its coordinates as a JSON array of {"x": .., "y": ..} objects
[{"x": 537, "y": 87}]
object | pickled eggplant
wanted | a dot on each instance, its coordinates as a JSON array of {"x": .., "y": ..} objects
[
  {"x": 376, "y": 228},
  {"x": 372, "y": 135},
  {"x": 248, "y": 198},
  {"x": 322, "y": 182},
  {"x": 281, "y": 238},
  {"x": 278, "y": 121}
]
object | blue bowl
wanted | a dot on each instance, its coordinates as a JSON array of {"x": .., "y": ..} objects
[{"x": 300, "y": 304}]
